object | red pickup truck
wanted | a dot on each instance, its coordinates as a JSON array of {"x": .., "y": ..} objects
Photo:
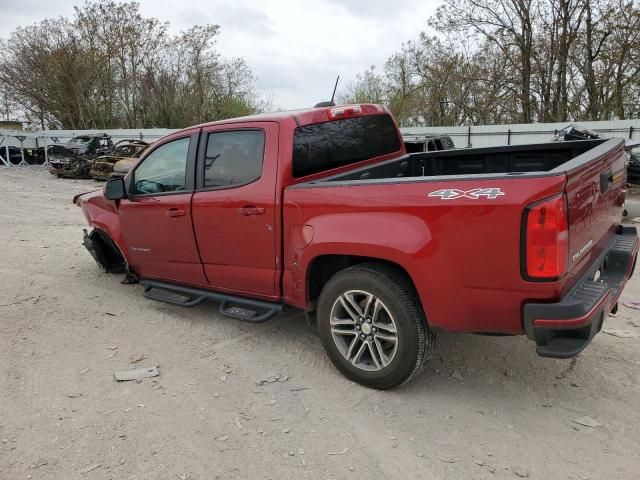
[{"x": 323, "y": 210}]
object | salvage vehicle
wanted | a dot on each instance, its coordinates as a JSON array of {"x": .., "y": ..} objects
[
  {"x": 122, "y": 167},
  {"x": 323, "y": 210},
  {"x": 634, "y": 167},
  {"x": 573, "y": 132},
  {"x": 72, "y": 159},
  {"x": 102, "y": 167},
  {"x": 427, "y": 143}
]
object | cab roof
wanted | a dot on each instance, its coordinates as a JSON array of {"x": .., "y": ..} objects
[{"x": 306, "y": 116}]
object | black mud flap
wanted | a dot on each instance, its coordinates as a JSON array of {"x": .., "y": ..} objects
[{"x": 104, "y": 251}]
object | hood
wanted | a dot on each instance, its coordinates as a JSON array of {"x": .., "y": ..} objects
[{"x": 83, "y": 197}]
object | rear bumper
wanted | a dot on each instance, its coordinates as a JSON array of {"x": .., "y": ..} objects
[{"x": 563, "y": 329}]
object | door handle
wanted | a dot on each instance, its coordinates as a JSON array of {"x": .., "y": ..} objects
[
  {"x": 251, "y": 210},
  {"x": 175, "y": 212}
]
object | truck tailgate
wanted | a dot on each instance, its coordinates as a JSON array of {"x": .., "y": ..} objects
[{"x": 595, "y": 194}]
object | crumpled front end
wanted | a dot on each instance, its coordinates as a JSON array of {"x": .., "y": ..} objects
[
  {"x": 103, "y": 241},
  {"x": 104, "y": 251}
]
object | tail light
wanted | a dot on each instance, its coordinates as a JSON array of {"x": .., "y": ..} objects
[{"x": 546, "y": 239}]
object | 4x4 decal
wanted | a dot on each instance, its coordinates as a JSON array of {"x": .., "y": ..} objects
[{"x": 475, "y": 194}]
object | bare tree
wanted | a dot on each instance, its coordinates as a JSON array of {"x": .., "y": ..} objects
[
  {"x": 528, "y": 60},
  {"x": 109, "y": 66}
]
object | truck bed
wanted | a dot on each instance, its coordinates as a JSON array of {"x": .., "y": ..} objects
[
  {"x": 514, "y": 159},
  {"x": 423, "y": 213}
]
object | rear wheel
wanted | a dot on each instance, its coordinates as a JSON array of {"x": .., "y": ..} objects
[{"x": 373, "y": 327}]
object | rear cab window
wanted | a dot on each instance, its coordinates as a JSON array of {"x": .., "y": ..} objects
[{"x": 324, "y": 146}]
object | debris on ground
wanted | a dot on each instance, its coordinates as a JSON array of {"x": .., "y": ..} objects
[
  {"x": 300, "y": 389},
  {"x": 74, "y": 395},
  {"x": 632, "y": 304},
  {"x": 341, "y": 452},
  {"x": 137, "y": 358},
  {"x": 587, "y": 422},
  {"x": 521, "y": 472},
  {"x": 84, "y": 471},
  {"x": 136, "y": 374},
  {"x": 457, "y": 375},
  {"x": 273, "y": 378},
  {"x": 617, "y": 332}
]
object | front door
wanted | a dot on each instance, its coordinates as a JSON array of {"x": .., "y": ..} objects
[
  {"x": 234, "y": 212},
  {"x": 156, "y": 216}
]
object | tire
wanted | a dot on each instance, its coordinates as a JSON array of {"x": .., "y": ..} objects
[{"x": 383, "y": 363}]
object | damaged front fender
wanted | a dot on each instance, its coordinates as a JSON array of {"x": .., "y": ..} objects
[{"x": 104, "y": 251}]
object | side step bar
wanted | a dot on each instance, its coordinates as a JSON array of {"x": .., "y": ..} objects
[{"x": 247, "y": 309}]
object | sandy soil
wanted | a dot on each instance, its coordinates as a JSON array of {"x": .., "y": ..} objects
[{"x": 487, "y": 407}]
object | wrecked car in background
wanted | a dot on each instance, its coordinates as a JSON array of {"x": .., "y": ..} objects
[
  {"x": 572, "y": 132},
  {"x": 121, "y": 168},
  {"x": 127, "y": 151},
  {"x": 633, "y": 171},
  {"x": 73, "y": 159},
  {"x": 427, "y": 143}
]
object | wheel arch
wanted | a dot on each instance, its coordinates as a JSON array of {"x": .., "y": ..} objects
[
  {"x": 108, "y": 253},
  {"x": 323, "y": 267}
]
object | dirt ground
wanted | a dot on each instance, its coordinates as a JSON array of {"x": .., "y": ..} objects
[{"x": 486, "y": 407}]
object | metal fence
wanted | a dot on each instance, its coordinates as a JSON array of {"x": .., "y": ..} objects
[
  {"x": 523, "y": 134},
  {"x": 463, "y": 137},
  {"x": 23, "y": 143}
]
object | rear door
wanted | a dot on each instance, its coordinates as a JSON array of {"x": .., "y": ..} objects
[
  {"x": 234, "y": 207},
  {"x": 595, "y": 194}
]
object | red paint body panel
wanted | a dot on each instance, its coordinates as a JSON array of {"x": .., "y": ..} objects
[
  {"x": 463, "y": 255},
  {"x": 448, "y": 248},
  {"x": 159, "y": 245},
  {"x": 238, "y": 250}
]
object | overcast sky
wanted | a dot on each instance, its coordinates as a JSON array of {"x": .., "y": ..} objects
[{"x": 295, "y": 47}]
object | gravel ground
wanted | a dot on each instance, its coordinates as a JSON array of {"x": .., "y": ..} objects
[{"x": 486, "y": 407}]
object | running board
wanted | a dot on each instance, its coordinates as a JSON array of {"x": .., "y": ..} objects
[{"x": 241, "y": 308}]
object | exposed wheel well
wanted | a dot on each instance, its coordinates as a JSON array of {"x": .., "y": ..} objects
[
  {"x": 324, "y": 267},
  {"x": 107, "y": 253}
]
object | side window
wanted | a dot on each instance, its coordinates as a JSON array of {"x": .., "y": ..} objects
[
  {"x": 164, "y": 169},
  {"x": 233, "y": 158}
]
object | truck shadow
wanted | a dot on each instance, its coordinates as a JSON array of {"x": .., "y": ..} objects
[{"x": 466, "y": 367}]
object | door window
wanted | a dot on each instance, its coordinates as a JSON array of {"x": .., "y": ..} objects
[
  {"x": 233, "y": 158},
  {"x": 163, "y": 170}
]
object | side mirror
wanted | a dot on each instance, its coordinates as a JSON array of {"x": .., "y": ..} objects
[{"x": 114, "y": 189}]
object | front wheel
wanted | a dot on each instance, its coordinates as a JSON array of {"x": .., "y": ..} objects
[{"x": 372, "y": 326}]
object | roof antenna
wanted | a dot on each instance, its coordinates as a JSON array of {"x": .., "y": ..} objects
[{"x": 329, "y": 103}]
